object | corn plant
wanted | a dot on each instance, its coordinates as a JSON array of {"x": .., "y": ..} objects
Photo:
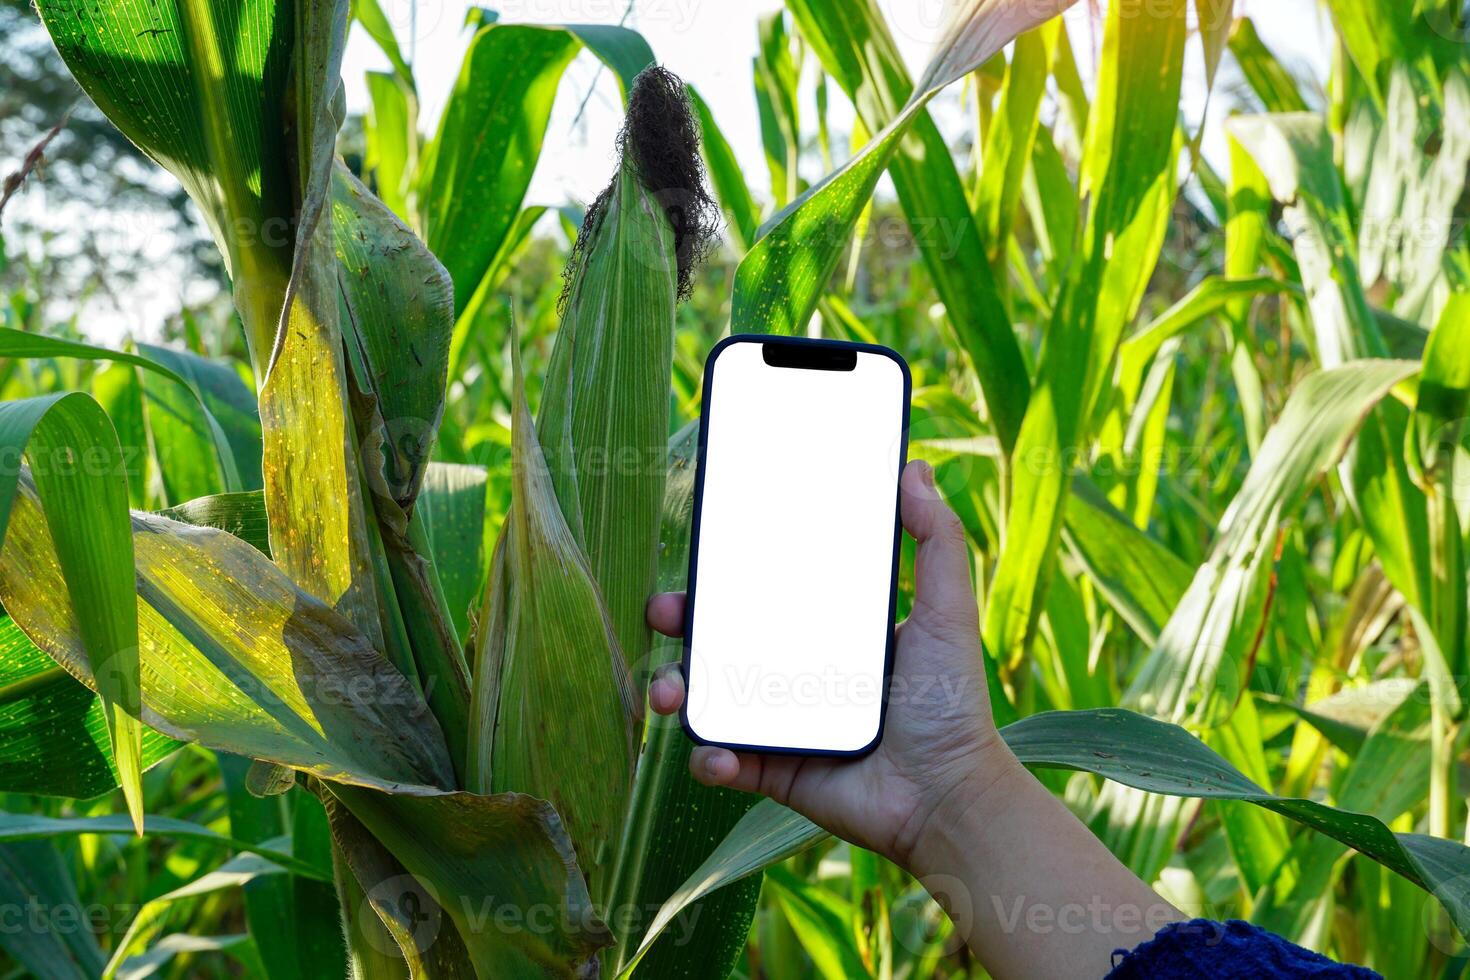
[{"x": 420, "y": 680}]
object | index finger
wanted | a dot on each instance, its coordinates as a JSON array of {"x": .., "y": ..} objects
[{"x": 666, "y": 613}]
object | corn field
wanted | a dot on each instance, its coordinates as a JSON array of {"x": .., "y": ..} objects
[{"x": 322, "y": 638}]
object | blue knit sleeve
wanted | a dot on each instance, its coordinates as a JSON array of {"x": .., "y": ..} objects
[{"x": 1202, "y": 949}]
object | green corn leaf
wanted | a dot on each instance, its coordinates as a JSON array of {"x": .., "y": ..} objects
[
  {"x": 1051, "y": 204},
  {"x": 1392, "y": 507},
  {"x": 369, "y": 13},
  {"x": 53, "y": 731},
  {"x": 777, "y": 76},
  {"x": 1071, "y": 677},
  {"x": 1145, "y": 439},
  {"x": 234, "y": 655},
  {"x": 390, "y": 151},
  {"x": 223, "y": 405},
  {"x": 485, "y": 321},
  {"x": 29, "y": 827},
  {"x": 1246, "y": 225},
  {"x": 395, "y": 926},
  {"x": 1128, "y": 171},
  {"x": 1195, "y": 667},
  {"x": 489, "y": 139},
  {"x": 279, "y": 686},
  {"x": 203, "y": 89},
  {"x": 1210, "y": 297},
  {"x": 240, "y": 514},
  {"x": 244, "y": 516},
  {"x": 551, "y": 654},
  {"x": 1266, "y": 76},
  {"x": 1294, "y": 152},
  {"x": 77, "y": 468},
  {"x": 623, "y": 51},
  {"x": 1345, "y": 717},
  {"x": 781, "y": 278},
  {"x": 1389, "y": 775},
  {"x": 239, "y": 946},
  {"x": 768, "y": 834},
  {"x": 480, "y": 163},
  {"x": 398, "y": 317},
  {"x": 232, "y": 455},
  {"x": 148, "y": 926},
  {"x": 1258, "y": 840},
  {"x": 1012, "y": 133},
  {"x": 1140, "y": 578},
  {"x": 452, "y": 508},
  {"x": 1129, "y": 749},
  {"x": 119, "y": 391},
  {"x": 1161, "y": 758},
  {"x": 780, "y": 281},
  {"x": 297, "y": 935},
  {"x": 821, "y": 921},
  {"x": 1431, "y": 454},
  {"x": 1380, "y": 35},
  {"x": 1416, "y": 174},
  {"x": 33, "y": 874}
]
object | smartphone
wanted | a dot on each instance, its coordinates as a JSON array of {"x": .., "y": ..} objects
[{"x": 793, "y": 555}]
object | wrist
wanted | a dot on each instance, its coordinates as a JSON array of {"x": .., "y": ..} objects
[{"x": 948, "y": 819}]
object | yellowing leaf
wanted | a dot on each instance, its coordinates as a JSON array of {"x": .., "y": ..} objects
[{"x": 235, "y": 656}]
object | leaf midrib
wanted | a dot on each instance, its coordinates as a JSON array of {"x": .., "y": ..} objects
[{"x": 207, "y": 76}]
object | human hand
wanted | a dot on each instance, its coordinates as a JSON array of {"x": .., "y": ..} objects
[{"x": 940, "y": 750}]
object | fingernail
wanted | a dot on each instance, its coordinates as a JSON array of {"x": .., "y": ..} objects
[
  {"x": 710, "y": 768},
  {"x": 926, "y": 473}
]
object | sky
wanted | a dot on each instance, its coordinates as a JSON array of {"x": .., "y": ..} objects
[{"x": 709, "y": 43}]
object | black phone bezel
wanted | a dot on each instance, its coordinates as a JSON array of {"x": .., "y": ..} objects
[{"x": 819, "y": 348}]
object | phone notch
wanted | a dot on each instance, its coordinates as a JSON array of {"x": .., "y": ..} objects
[{"x": 808, "y": 357}]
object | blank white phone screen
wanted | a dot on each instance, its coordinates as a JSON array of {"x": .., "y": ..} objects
[{"x": 795, "y": 555}]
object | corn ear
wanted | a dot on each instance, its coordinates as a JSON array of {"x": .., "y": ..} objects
[
  {"x": 554, "y": 700},
  {"x": 604, "y": 414}
]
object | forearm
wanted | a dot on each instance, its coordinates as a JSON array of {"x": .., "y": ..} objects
[{"x": 1027, "y": 885}]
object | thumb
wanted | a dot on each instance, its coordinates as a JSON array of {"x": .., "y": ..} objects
[{"x": 943, "y": 596}]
